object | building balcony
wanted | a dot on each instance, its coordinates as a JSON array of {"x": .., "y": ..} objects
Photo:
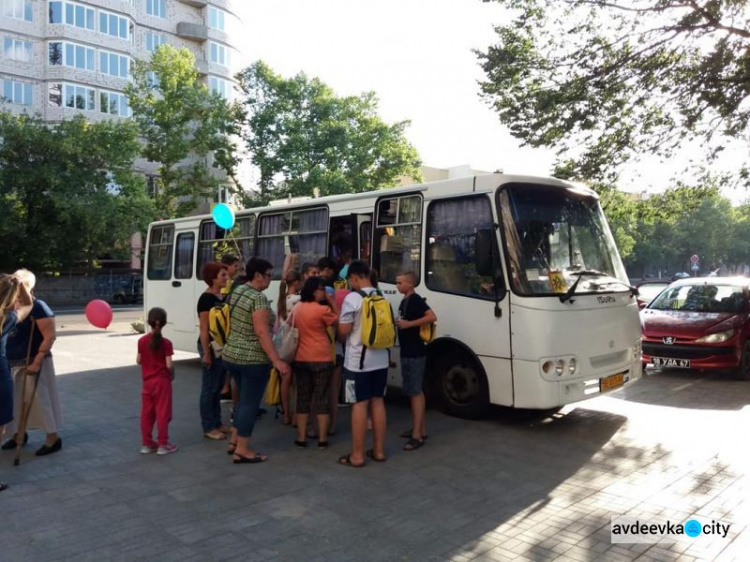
[
  {"x": 195, "y": 3},
  {"x": 192, "y": 31},
  {"x": 201, "y": 65}
]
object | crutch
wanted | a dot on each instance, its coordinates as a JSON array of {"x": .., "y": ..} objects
[{"x": 25, "y": 408}]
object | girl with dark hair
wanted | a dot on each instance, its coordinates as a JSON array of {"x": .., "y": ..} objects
[
  {"x": 313, "y": 363},
  {"x": 155, "y": 358},
  {"x": 249, "y": 354},
  {"x": 215, "y": 275},
  {"x": 15, "y": 306}
]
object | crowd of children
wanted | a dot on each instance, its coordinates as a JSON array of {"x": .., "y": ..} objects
[{"x": 334, "y": 316}]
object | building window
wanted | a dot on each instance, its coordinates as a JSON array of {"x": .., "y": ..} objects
[
  {"x": 156, "y": 8},
  {"x": 17, "y": 9},
  {"x": 114, "y": 64},
  {"x": 15, "y": 49},
  {"x": 160, "y": 245},
  {"x": 153, "y": 40},
  {"x": 114, "y": 103},
  {"x": 71, "y": 54},
  {"x": 221, "y": 87},
  {"x": 303, "y": 233},
  {"x": 219, "y": 54},
  {"x": 216, "y": 18},
  {"x": 17, "y": 92},
  {"x": 398, "y": 237},
  {"x": 80, "y": 97},
  {"x": 114, "y": 25},
  {"x": 54, "y": 98},
  {"x": 72, "y": 13}
]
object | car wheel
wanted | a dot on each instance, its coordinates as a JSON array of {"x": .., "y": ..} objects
[
  {"x": 743, "y": 370},
  {"x": 463, "y": 389}
]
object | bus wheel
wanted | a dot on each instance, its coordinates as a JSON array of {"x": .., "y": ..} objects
[{"x": 462, "y": 387}]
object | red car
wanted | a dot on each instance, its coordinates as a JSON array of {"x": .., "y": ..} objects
[{"x": 699, "y": 323}]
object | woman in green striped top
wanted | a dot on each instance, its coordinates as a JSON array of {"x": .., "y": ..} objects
[{"x": 249, "y": 354}]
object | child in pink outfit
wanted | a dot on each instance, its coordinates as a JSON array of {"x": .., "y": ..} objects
[{"x": 155, "y": 358}]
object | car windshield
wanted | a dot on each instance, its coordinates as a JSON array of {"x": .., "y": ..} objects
[
  {"x": 703, "y": 298},
  {"x": 554, "y": 235}
]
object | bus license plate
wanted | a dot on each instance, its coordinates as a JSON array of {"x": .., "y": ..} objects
[
  {"x": 667, "y": 362},
  {"x": 611, "y": 382}
]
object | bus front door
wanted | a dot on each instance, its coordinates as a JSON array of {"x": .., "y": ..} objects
[{"x": 182, "y": 314}]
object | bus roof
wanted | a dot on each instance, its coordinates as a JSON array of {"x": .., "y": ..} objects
[{"x": 279, "y": 205}]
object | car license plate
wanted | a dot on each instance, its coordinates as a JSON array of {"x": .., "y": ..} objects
[
  {"x": 613, "y": 381},
  {"x": 667, "y": 362}
]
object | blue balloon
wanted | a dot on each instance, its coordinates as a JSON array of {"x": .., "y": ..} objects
[{"x": 223, "y": 216}]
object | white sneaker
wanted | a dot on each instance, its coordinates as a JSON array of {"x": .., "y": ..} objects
[
  {"x": 166, "y": 449},
  {"x": 145, "y": 450}
]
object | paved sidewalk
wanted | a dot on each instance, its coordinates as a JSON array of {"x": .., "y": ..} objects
[{"x": 671, "y": 447}]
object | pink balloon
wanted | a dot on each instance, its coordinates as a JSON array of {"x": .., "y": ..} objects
[
  {"x": 340, "y": 295},
  {"x": 99, "y": 314}
]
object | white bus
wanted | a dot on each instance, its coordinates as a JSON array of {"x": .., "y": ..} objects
[{"x": 533, "y": 303}]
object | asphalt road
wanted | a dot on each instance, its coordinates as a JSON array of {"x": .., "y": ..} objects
[{"x": 670, "y": 448}]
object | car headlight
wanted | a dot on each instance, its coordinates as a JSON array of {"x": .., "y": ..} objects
[{"x": 718, "y": 337}]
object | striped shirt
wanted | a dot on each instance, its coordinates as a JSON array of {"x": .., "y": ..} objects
[{"x": 243, "y": 345}]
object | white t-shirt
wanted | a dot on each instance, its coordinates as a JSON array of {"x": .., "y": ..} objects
[{"x": 351, "y": 313}]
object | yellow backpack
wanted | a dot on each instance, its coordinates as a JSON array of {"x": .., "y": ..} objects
[
  {"x": 427, "y": 332},
  {"x": 219, "y": 324},
  {"x": 378, "y": 325},
  {"x": 341, "y": 284}
]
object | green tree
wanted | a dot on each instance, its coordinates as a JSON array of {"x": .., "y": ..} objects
[
  {"x": 68, "y": 193},
  {"x": 302, "y": 136},
  {"x": 604, "y": 80},
  {"x": 186, "y": 129}
]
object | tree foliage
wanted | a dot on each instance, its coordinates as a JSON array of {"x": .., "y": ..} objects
[
  {"x": 68, "y": 193},
  {"x": 604, "y": 80},
  {"x": 302, "y": 136},
  {"x": 186, "y": 129}
]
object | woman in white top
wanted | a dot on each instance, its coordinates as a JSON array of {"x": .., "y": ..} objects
[{"x": 288, "y": 297}]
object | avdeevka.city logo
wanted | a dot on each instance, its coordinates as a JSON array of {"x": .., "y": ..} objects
[{"x": 627, "y": 529}]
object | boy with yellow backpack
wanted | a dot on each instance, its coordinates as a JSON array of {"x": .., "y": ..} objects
[
  {"x": 416, "y": 326},
  {"x": 367, "y": 326}
]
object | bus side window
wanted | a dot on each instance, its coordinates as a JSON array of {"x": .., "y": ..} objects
[
  {"x": 398, "y": 237},
  {"x": 160, "y": 246},
  {"x": 183, "y": 266},
  {"x": 452, "y": 263}
]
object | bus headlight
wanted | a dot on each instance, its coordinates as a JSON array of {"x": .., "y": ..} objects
[
  {"x": 559, "y": 367},
  {"x": 547, "y": 367},
  {"x": 572, "y": 365}
]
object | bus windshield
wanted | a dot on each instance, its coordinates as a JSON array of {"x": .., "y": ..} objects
[{"x": 553, "y": 237}]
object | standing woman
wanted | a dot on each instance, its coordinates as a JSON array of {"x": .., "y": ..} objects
[
  {"x": 15, "y": 306},
  {"x": 216, "y": 277},
  {"x": 288, "y": 298},
  {"x": 46, "y": 412},
  {"x": 313, "y": 362},
  {"x": 249, "y": 354}
]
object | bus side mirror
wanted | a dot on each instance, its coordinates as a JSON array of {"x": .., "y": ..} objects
[{"x": 483, "y": 251}]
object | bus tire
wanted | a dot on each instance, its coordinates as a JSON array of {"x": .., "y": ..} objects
[{"x": 461, "y": 386}]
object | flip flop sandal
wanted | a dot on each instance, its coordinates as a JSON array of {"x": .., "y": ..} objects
[
  {"x": 370, "y": 453},
  {"x": 215, "y": 436},
  {"x": 413, "y": 444},
  {"x": 300, "y": 444},
  {"x": 346, "y": 460},
  {"x": 238, "y": 459},
  {"x": 322, "y": 444},
  {"x": 231, "y": 447},
  {"x": 407, "y": 435}
]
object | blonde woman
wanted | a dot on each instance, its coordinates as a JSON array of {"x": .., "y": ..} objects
[
  {"x": 15, "y": 306},
  {"x": 46, "y": 413}
]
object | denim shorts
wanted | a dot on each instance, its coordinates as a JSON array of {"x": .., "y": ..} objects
[
  {"x": 412, "y": 371},
  {"x": 362, "y": 386}
]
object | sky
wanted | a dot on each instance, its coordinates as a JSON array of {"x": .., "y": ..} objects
[{"x": 416, "y": 55}]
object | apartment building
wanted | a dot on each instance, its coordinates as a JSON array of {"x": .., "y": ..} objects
[{"x": 59, "y": 58}]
